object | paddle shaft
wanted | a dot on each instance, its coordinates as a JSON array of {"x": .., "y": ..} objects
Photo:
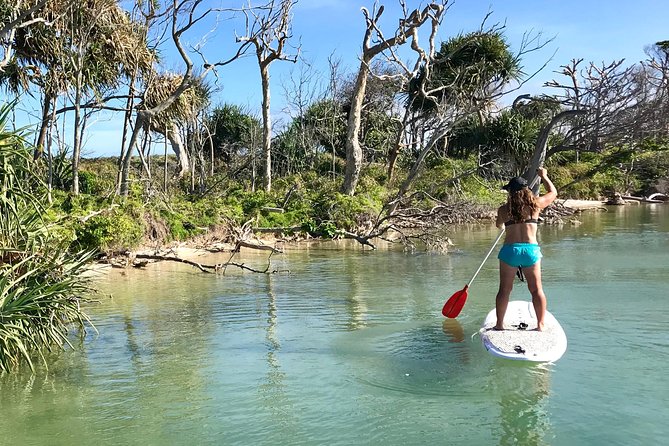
[{"x": 486, "y": 256}]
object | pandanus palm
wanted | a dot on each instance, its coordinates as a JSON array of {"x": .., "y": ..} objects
[
  {"x": 83, "y": 47},
  {"x": 182, "y": 111},
  {"x": 41, "y": 282},
  {"x": 468, "y": 71}
]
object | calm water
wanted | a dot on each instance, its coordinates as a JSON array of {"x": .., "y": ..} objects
[{"x": 350, "y": 348}]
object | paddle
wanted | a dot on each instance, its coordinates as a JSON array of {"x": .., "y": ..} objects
[{"x": 453, "y": 306}]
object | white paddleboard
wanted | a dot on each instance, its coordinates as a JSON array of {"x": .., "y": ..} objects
[{"x": 519, "y": 340}]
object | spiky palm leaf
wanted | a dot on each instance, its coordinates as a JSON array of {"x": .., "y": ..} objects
[
  {"x": 466, "y": 69},
  {"x": 45, "y": 52},
  {"x": 41, "y": 281}
]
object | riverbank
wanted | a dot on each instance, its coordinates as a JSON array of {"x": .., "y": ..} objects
[{"x": 207, "y": 253}]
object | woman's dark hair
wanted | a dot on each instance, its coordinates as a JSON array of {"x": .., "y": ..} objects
[{"x": 522, "y": 204}]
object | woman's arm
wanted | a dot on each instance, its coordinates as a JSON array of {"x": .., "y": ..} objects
[
  {"x": 551, "y": 192},
  {"x": 502, "y": 215}
]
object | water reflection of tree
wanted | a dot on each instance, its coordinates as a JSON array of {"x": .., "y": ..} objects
[
  {"x": 274, "y": 386},
  {"x": 524, "y": 419},
  {"x": 274, "y": 390},
  {"x": 356, "y": 307},
  {"x": 131, "y": 340},
  {"x": 166, "y": 341}
]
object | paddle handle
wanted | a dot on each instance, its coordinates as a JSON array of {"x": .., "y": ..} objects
[{"x": 487, "y": 255}]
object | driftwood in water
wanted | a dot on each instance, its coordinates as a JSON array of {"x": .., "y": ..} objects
[
  {"x": 641, "y": 199},
  {"x": 259, "y": 246},
  {"x": 616, "y": 200},
  {"x": 409, "y": 224},
  {"x": 556, "y": 213},
  {"x": 658, "y": 196},
  {"x": 205, "y": 268}
]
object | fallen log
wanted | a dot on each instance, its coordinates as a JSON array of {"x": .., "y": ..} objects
[
  {"x": 245, "y": 244},
  {"x": 659, "y": 196},
  {"x": 202, "y": 266},
  {"x": 641, "y": 199}
]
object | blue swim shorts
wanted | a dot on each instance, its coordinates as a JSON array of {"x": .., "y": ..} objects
[{"x": 520, "y": 254}]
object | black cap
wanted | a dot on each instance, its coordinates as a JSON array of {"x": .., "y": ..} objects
[{"x": 516, "y": 184}]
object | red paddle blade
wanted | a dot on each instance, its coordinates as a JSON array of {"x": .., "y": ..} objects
[{"x": 453, "y": 306}]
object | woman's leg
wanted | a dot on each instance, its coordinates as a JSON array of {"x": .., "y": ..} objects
[
  {"x": 506, "y": 275},
  {"x": 533, "y": 278}
]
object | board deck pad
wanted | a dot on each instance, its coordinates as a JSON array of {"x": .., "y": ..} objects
[{"x": 519, "y": 340}]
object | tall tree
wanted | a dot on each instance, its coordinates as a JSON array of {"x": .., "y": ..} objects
[
  {"x": 172, "y": 121},
  {"x": 33, "y": 52},
  {"x": 269, "y": 31},
  {"x": 20, "y": 14},
  {"x": 373, "y": 44},
  {"x": 472, "y": 73},
  {"x": 83, "y": 48},
  {"x": 100, "y": 43},
  {"x": 182, "y": 17},
  {"x": 231, "y": 129},
  {"x": 300, "y": 90}
]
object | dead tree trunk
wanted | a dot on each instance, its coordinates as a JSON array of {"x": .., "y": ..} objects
[
  {"x": 539, "y": 156},
  {"x": 173, "y": 136},
  {"x": 353, "y": 149},
  {"x": 408, "y": 27},
  {"x": 264, "y": 30},
  {"x": 266, "y": 126}
]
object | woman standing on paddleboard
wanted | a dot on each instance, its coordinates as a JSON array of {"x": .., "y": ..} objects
[{"x": 520, "y": 215}]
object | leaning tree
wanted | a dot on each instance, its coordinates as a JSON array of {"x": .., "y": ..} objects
[
  {"x": 605, "y": 105},
  {"x": 171, "y": 121},
  {"x": 181, "y": 17}
]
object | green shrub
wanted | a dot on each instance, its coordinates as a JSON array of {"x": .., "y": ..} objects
[
  {"x": 41, "y": 280},
  {"x": 325, "y": 229},
  {"x": 650, "y": 169},
  {"x": 89, "y": 183},
  {"x": 111, "y": 232}
]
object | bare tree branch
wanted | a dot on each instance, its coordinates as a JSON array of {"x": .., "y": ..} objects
[
  {"x": 183, "y": 16},
  {"x": 373, "y": 44},
  {"x": 266, "y": 26}
]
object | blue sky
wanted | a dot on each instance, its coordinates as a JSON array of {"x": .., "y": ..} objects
[
  {"x": 595, "y": 30},
  {"x": 621, "y": 29}
]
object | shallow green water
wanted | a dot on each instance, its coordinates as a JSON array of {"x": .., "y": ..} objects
[{"x": 350, "y": 348}]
